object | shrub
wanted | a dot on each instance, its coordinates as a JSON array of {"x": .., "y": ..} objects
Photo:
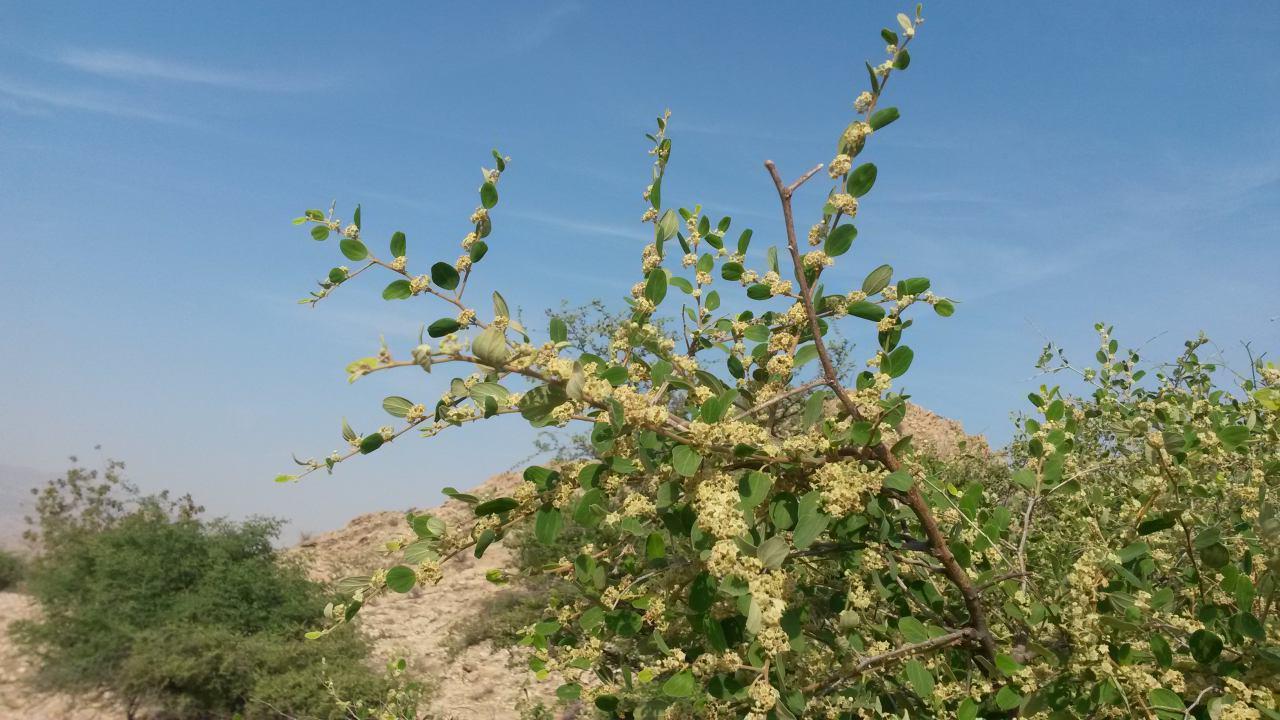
[
  {"x": 750, "y": 562},
  {"x": 182, "y": 616},
  {"x": 12, "y": 569}
]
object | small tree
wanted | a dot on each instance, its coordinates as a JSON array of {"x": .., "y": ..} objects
[
  {"x": 748, "y": 563},
  {"x": 181, "y": 616}
]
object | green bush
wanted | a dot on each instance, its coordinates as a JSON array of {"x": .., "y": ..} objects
[
  {"x": 188, "y": 618},
  {"x": 12, "y": 569}
]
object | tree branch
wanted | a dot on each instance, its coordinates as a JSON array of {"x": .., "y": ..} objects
[
  {"x": 914, "y": 498},
  {"x": 875, "y": 661}
]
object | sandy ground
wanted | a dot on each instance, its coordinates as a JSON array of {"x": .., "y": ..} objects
[
  {"x": 16, "y": 700},
  {"x": 480, "y": 681}
]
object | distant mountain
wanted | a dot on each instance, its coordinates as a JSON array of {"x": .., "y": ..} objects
[{"x": 16, "y": 501}]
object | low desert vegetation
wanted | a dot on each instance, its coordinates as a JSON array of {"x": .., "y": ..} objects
[
  {"x": 183, "y": 617},
  {"x": 752, "y": 536},
  {"x": 12, "y": 569}
]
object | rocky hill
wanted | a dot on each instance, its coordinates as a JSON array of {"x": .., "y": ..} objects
[{"x": 424, "y": 625}]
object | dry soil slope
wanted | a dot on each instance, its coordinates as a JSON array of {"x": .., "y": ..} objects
[{"x": 479, "y": 682}]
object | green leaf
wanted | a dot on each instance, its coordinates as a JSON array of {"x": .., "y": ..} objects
[
  {"x": 877, "y": 279},
  {"x": 753, "y": 488},
  {"x": 897, "y": 362},
  {"x": 401, "y": 579},
  {"x": 444, "y": 275},
  {"x": 497, "y": 505},
  {"x": 685, "y": 460},
  {"x": 490, "y": 390},
  {"x": 902, "y": 60},
  {"x": 811, "y": 522},
  {"x": 840, "y": 240},
  {"x": 1163, "y": 699},
  {"x": 547, "y": 524},
  {"x": 488, "y": 195},
  {"x": 861, "y": 180},
  {"x": 442, "y": 327},
  {"x": 355, "y": 218},
  {"x": 460, "y": 496},
  {"x": 1007, "y": 698},
  {"x": 399, "y": 246},
  {"x": 1205, "y": 646},
  {"x": 491, "y": 346},
  {"x": 702, "y": 592},
  {"x": 1008, "y": 665},
  {"x": 397, "y": 406},
  {"x": 680, "y": 685},
  {"x": 483, "y": 542},
  {"x": 1233, "y": 437},
  {"x": 920, "y": 678},
  {"x": 773, "y": 552},
  {"x": 1246, "y": 624},
  {"x": 1132, "y": 551},
  {"x": 666, "y": 226},
  {"x": 320, "y": 232},
  {"x": 944, "y": 307},
  {"x": 1161, "y": 651},
  {"x": 428, "y": 526},
  {"x": 421, "y": 551},
  {"x": 286, "y": 478},
  {"x": 568, "y": 691},
  {"x": 759, "y": 291},
  {"x": 883, "y": 117},
  {"x": 370, "y": 442},
  {"x": 397, "y": 290},
  {"x": 899, "y": 480},
  {"x": 500, "y": 308},
  {"x": 559, "y": 330},
  {"x": 913, "y": 286},
  {"x": 350, "y": 584},
  {"x": 353, "y": 249},
  {"x": 913, "y": 631},
  {"x": 1156, "y": 524},
  {"x": 866, "y": 310},
  {"x": 655, "y": 286}
]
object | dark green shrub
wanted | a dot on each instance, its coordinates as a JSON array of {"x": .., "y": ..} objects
[
  {"x": 187, "y": 618},
  {"x": 12, "y": 569}
]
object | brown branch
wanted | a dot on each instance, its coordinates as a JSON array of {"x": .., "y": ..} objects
[
  {"x": 875, "y": 661},
  {"x": 914, "y": 498}
]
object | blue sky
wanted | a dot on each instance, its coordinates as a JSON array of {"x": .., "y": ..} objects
[{"x": 1055, "y": 165}]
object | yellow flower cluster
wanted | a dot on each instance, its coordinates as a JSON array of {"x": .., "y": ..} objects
[{"x": 846, "y": 486}]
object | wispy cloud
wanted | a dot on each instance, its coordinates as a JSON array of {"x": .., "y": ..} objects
[
  {"x": 82, "y": 101},
  {"x": 538, "y": 30},
  {"x": 584, "y": 228},
  {"x": 135, "y": 66}
]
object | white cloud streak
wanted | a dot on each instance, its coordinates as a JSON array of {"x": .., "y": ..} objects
[
  {"x": 134, "y": 66},
  {"x": 84, "y": 101}
]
